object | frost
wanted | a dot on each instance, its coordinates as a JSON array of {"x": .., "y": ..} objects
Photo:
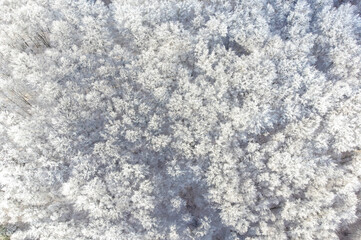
[{"x": 180, "y": 120}]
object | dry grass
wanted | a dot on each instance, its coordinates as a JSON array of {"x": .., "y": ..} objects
[{"x": 3, "y": 235}]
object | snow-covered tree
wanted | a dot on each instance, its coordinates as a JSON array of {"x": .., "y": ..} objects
[{"x": 168, "y": 119}]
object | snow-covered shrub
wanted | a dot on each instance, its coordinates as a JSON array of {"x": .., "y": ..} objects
[{"x": 180, "y": 119}]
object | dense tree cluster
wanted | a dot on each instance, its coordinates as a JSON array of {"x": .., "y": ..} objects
[{"x": 169, "y": 119}]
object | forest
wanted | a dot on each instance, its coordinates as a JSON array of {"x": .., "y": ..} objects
[{"x": 180, "y": 119}]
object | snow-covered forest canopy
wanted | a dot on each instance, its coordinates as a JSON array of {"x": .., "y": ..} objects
[{"x": 180, "y": 119}]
